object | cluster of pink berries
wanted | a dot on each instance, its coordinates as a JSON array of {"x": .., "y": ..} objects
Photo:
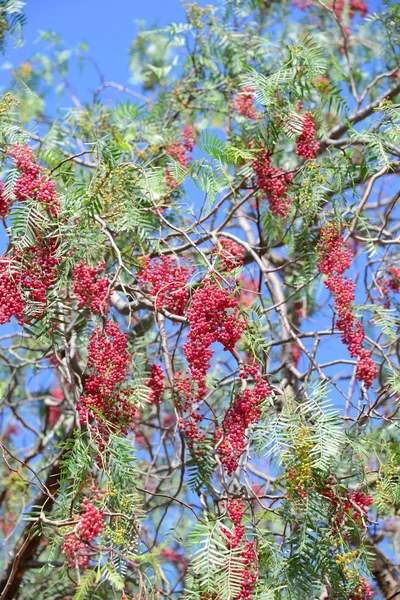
[
  {"x": 390, "y": 284},
  {"x": 354, "y": 6},
  {"x": 213, "y": 317},
  {"x": 189, "y": 404},
  {"x": 353, "y": 506},
  {"x": 231, "y": 436},
  {"x": 25, "y": 278},
  {"x": 307, "y": 145},
  {"x": 4, "y": 202},
  {"x": 30, "y": 184},
  {"x": 156, "y": 384},
  {"x": 90, "y": 289},
  {"x": 11, "y": 300},
  {"x": 179, "y": 150},
  {"x": 166, "y": 281},
  {"x": 230, "y": 254},
  {"x": 274, "y": 183},
  {"x": 108, "y": 361},
  {"x": 90, "y": 526},
  {"x": 338, "y": 6},
  {"x": 334, "y": 260},
  {"x": 243, "y": 103},
  {"x": 363, "y": 591},
  {"x": 236, "y": 539}
]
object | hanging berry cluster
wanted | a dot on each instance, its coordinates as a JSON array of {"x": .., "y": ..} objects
[
  {"x": 237, "y": 539},
  {"x": 4, "y": 202},
  {"x": 390, "y": 284},
  {"x": 166, "y": 281},
  {"x": 213, "y": 317},
  {"x": 307, "y": 145},
  {"x": 230, "y": 254},
  {"x": 246, "y": 410},
  {"x": 333, "y": 260},
  {"x": 352, "y": 507},
  {"x": 274, "y": 183},
  {"x": 180, "y": 151},
  {"x": 156, "y": 384},
  {"x": 76, "y": 546},
  {"x": 90, "y": 289},
  {"x": 30, "y": 183},
  {"x": 353, "y": 6},
  {"x": 108, "y": 361},
  {"x": 243, "y": 103},
  {"x": 25, "y": 278}
]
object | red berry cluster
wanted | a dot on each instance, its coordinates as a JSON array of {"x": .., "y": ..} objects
[
  {"x": 166, "y": 281},
  {"x": 296, "y": 353},
  {"x": 25, "y": 278},
  {"x": 189, "y": 424},
  {"x": 353, "y": 7},
  {"x": 11, "y": 301},
  {"x": 230, "y": 254},
  {"x": 354, "y": 506},
  {"x": 90, "y": 526},
  {"x": 156, "y": 384},
  {"x": 236, "y": 539},
  {"x": 231, "y": 436},
  {"x": 363, "y": 591},
  {"x": 39, "y": 270},
  {"x": 307, "y": 146},
  {"x": 334, "y": 259},
  {"x": 243, "y": 103},
  {"x": 274, "y": 183},
  {"x": 90, "y": 289},
  {"x": 178, "y": 150},
  {"x": 4, "y": 202},
  {"x": 30, "y": 184},
  {"x": 213, "y": 317},
  {"x": 390, "y": 284},
  {"x": 108, "y": 361}
]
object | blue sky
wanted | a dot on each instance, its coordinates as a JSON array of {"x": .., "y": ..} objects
[{"x": 107, "y": 27}]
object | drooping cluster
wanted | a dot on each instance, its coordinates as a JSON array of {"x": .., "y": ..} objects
[
  {"x": 156, "y": 384},
  {"x": 76, "y": 546},
  {"x": 354, "y": 6},
  {"x": 389, "y": 284},
  {"x": 4, "y": 202},
  {"x": 338, "y": 6},
  {"x": 243, "y": 103},
  {"x": 307, "y": 145},
  {"x": 274, "y": 183},
  {"x": 230, "y": 254},
  {"x": 104, "y": 393},
  {"x": 363, "y": 590},
  {"x": 189, "y": 406},
  {"x": 213, "y": 317},
  {"x": 25, "y": 278},
  {"x": 237, "y": 539},
  {"x": 11, "y": 301},
  {"x": 166, "y": 281},
  {"x": 333, "y": 260},
  {"x": 89, "y": 288},
  {"x": 180, "y": 150},
  {"x": 298, "y": 467},
  {"x": 230, "y": 438},
  {"x": 31, "y": 184},
  {"x": 38, "y": 271},
  {"x": 353, "y": 506}
]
